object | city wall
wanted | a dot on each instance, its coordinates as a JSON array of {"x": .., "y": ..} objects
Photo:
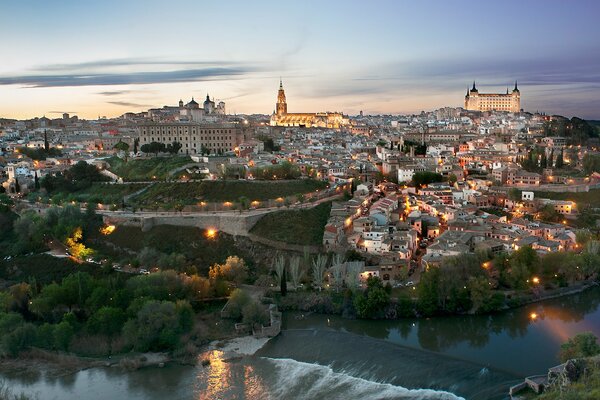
[{"x": 231, "y": 224}]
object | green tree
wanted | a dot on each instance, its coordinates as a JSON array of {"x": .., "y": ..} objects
[
  {"x": 426, "y": 177},
  {"x": 559, "y": 160},
  {"x": 373, "y": 301},
  {"x": 581, "y": 345},
  {"x": 63, "y": 334},
  {"x": 237, "y": 301},
  {"x": 427, "y": 291}
]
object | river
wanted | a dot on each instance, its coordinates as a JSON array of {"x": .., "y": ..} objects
[{"x": 327, "y": 357}]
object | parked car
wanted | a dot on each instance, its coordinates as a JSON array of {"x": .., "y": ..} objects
[{"x": 410, "y": 283}]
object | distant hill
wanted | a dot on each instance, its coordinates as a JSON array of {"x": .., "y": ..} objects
[{"x": 576, "y": 130}]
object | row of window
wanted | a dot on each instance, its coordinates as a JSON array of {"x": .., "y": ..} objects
[{"x": 181, "y": 131}]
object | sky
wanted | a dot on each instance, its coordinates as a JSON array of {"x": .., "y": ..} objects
[{"x": 104, "y": 58}]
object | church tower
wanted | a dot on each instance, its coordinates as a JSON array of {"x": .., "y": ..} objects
[{"x": 281, "y": 105}]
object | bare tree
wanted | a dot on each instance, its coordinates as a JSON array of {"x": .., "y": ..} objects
[
  {"x": 296, "y": 272},
  {"x": 353, "y": 269},
  {"x": 337, "y": 271},
  {"x": 319, "y": 264},
  {"x": 279, "y": 267}
]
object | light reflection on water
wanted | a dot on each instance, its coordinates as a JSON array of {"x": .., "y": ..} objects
[{"x": 352, "y": 357}]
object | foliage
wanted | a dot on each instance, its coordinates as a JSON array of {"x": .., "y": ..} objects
[
  {"x": 319, "y": 265},
  {"x": 237, "y": 301},
  {"x": 146, "y": 169},
  {"x": 285, "y": 170},
  {"x": 426, "y": 177},
  {"x": 39, "y": 153},
  {"x": 223, "y": 190},
  {"x": 80, "y": 176},
  {"x": 255, "y": 313},
  {"x": 372, "y": 302},
  {"x": 591, "y": 163},
  {"x": 581, "y": 345},
  {"x": 234, "y": 269}
]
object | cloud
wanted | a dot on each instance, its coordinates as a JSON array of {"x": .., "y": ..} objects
[
  {"x": 103, "y": 73},
  {"x": 126, "y": 62},
  {"x": 114, "y": 92},
  {"x": 128, "y": 104}
]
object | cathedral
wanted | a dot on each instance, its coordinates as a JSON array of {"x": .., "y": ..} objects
[
  {"x": 510, "y": 102},
  {"x": 281, "y": 117}
]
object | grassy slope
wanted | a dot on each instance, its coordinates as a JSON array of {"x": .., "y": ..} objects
[
  {"x": 193, "y": 192},
  {"x": 147, "y": 168},
  {"x": 191, "y": 242},
  {"x": 104, "y": 193},
  {"x": 295, "y": 226}
]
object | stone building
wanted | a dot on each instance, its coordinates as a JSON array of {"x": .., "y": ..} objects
[
  {"x": 218, "y": 138},
  {"x": 510, "y": 102},
  {"x": 281, "y": 117}
]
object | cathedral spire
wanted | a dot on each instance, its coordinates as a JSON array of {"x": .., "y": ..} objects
[
  {"x": 516, "y": 88},
  {"x": 474, "y": 88},
  {"x": 280, "y": 83}
]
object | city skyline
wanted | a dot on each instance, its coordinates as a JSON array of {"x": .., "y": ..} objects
[{"x": 396, "y": 58}]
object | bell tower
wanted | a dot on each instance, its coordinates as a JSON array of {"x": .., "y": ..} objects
[{"x": 281, "y": 105}]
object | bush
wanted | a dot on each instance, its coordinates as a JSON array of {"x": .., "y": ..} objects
[
  {"x": 238, "y": 300},
  {"x": 255, "y": 313},
  {"x": 582, "y": 345}
]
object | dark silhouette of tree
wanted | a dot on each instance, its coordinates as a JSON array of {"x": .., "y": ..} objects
[{"x": 46, "y": 143}]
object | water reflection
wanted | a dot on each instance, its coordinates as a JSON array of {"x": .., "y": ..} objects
[{"x": 532, "y": 330}]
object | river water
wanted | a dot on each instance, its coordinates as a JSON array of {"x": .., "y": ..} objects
[{"x": 325, "y": 357}]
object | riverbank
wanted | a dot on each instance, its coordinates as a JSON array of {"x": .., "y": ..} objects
[
  {"x": 398, "y": 308},
  {"x": 56, "y": 364}
]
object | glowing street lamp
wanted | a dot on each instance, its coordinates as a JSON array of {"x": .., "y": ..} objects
[{"x": 211, "y": 233}]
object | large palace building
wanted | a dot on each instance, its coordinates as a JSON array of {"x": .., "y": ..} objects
[
  {"x": 281, "y": 117},
  {"x": 195, "y": 137},
  {"x": 475, "y": 101}
]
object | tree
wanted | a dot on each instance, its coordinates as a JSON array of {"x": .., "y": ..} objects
[
  {"x": 543, "y": 160},
  {"x": 514, "y": 194},
  {"x": 46, "y": 143},
  {"x": 581, "y": 345},
  {"x": 107, "y": 321},
  {"x": 234, "y": 269},
  {"x": 560, "y": 161},
  {"x": 319, "y": 265},
  {"x": 427, "y": 291},
  {"x": 337, "y": 271},
  {"x": 17, "y": 185},
  {"x": 296, "y": 271},
  {"x": 548, "y": 213},
  {"x": 373, "y": 301},
  {"x": 136, "y": 143},
  {"x": 63, "y": 333},
  {"x": 426, "y": 177},
  {"x": 254, "y": 314},
  {"x": 237, "y": 301},
  {"x": 280, "y": 275},
  {"x": 121, "y": 146},
  {"x": 174, "y": 147},
  {"x": 452, "y": 178},
  {"x": 153, "y": 147},
  {"x": 36, "y": 181}
]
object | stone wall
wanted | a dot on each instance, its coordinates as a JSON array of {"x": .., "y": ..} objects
[{"x": 231, "y": 224}]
